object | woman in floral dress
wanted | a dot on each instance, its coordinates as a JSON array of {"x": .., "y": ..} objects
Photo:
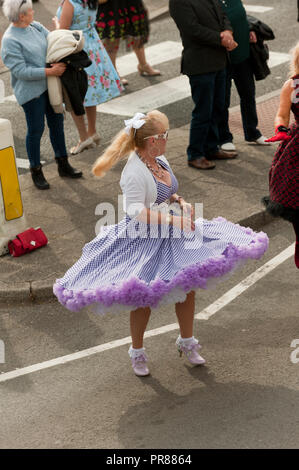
[
  {"x": 125, "y": 19},
  {"x": 103, "y": 81}
]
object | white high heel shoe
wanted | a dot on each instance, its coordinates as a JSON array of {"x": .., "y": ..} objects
[
  {"x": 86, "y": 144},
  {"x": 96, "y": 138}
]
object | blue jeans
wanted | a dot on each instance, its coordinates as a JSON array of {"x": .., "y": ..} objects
[
  {"x": 35, "y": 112},
  {"x": 208, "y": 94},
  {"x": 243, "y": 77}
]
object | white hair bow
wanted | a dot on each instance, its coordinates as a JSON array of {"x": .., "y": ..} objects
[{"x": 136, "y": 122}]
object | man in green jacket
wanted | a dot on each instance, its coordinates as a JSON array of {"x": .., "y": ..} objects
[{"x": 240, "y": 71}]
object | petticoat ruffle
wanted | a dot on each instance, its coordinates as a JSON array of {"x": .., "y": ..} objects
[{"x": 135, "y": 293}]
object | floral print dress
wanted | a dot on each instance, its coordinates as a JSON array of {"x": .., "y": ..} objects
[
  {"x": 124, "y": 19},
  {"x": 103, "y": 80}
]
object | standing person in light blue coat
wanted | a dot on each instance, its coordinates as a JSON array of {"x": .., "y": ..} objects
[{"x": 23, "y": 51}]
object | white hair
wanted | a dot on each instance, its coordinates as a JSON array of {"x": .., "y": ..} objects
[{"x": 12, "y": 10}]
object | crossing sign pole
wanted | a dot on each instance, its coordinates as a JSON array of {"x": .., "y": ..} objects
[{"x": 12, "y": 219}]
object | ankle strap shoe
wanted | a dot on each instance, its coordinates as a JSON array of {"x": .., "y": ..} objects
[
  {"x": 191, "y": 353},
  {"x": 139, "y": 364}
]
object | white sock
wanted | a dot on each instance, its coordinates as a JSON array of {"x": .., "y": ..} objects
[
  {"x": 187, "y": 341},
  {"x": 134, "y": 352}
]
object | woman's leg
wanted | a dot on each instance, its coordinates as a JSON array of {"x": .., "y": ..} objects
[
  {"x": 143, "y": 67},
  {"x": 138, "y": 322},
  {"x": 81, "y": 126},
  {"x": 112, "y": 49},
  {"x": 185, "y": 315},
  {"x": 35, "y": 118},
  {"x": 91, "y": 113},
  {"x": 56, "y": 130}
]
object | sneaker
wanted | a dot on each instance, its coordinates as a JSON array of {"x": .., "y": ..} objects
[
  {"x": 228, "y": 147},
  {"x": 262, "y": 141}
]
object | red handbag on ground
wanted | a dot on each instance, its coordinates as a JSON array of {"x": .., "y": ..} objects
[{"x": 27, "y": 241}]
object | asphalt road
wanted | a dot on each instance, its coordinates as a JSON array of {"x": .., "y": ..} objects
[{"x": 245, "y": 397}]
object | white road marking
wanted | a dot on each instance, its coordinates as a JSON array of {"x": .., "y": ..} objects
[
  {"x": 203, "y": 315},
  {"x": 278, "y": 58},
  {"x": 24, "y": 163},
  {"x": 10, "y": 98},
  {"x": 157, "y": 54},
  {"x": 164, "y": 93},
  {"x": 245, "y": 284},
  {"x": 257, "y": 9},
  {"x": 148, "y": 98}
]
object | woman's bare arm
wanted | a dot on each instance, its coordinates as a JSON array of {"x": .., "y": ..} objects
[
  {"x": 283, "y": 114},
  {"x": 66, "y": 17}
]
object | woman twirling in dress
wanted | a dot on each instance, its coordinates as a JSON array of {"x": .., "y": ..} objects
[
  {"x": 103, "y": 80},
  {"x": 153, "y": 257},
  {"x": 283, "y": 200}
]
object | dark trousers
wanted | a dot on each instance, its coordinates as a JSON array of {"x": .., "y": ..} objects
[
  {"x": 35, "y": 112},
  {"x": 208, "y": 94},
  {"x": 244, "y": 80}
]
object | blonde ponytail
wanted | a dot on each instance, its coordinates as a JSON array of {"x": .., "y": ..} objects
[{"x": 123, "y": 144}]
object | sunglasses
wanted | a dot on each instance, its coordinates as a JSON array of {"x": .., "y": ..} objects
[
  {"x": 163, "y": 136},
  {"x": 22, "y": 3}
]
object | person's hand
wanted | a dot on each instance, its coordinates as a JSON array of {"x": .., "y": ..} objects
[
  {"x": 183, "y": 223},
  {"x": 56, "y": 70},
  {"x": 252, "y": 37},
  {"x": 56, "y": 22},
  {"x": 281, "y": 134},
  {"x": 227, "y": 40},
  {"x": 187, "y": 209}
]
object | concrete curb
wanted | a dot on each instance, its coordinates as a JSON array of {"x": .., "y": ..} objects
[{"x": 43, "y": 289}]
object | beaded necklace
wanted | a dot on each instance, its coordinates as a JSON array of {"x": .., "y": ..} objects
[{"x": 160, "y": 172}]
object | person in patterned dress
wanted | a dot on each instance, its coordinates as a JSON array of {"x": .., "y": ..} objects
[
  {"x": 103, "y": 80},
  {"x": 156, "y": 254},
  {"x": 283, "y": 200},
  {"x": 125, "y": 19}
]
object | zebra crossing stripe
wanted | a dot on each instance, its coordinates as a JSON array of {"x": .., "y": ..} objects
[
  {"x": 257, "y": 9},
  {"x": 156, "y": 54},
  {"x": 24, "y": 163},
  {"x": 163, "y": 94}
]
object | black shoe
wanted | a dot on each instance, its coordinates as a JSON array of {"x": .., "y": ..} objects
[
  {"x": 38, "y": 178},
  {"x": 65, "y": 169}
]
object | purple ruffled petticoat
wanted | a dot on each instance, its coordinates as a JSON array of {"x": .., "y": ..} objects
[{"x": 132, "y": 293}]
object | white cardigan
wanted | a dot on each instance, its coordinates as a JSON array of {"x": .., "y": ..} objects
[{"x": 138, "y": 185}]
